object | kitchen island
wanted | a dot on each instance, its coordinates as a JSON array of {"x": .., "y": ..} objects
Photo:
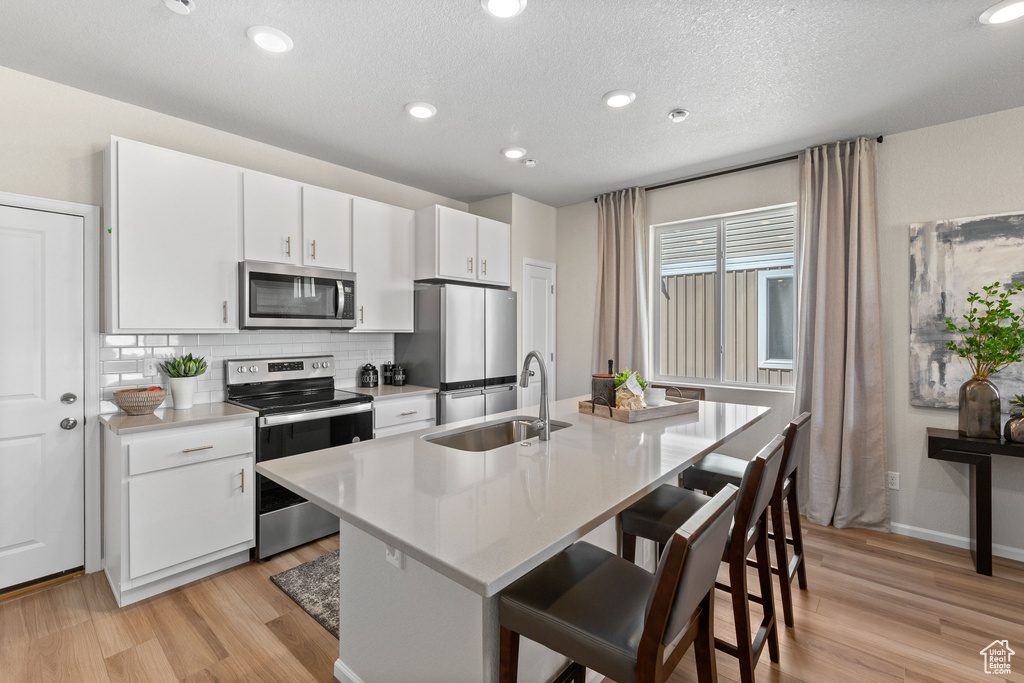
[{"x": 429, "y": 534}]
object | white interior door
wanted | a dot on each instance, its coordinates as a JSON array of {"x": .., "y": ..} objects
[
  {"x": 42, "y": 463},
  {"x": 539, "y": 324}
]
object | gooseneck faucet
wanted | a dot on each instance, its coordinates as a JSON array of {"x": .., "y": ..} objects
[{"x": 544, "y": 422}]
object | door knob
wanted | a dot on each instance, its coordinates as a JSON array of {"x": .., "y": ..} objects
[
  {"x": 68, "y": 398},
  {"x": 68, "y": 423}
]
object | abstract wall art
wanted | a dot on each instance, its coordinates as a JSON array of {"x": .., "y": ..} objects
[{"x": 948, "y": 259}]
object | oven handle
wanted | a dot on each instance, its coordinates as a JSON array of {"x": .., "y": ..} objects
[{"x": 292, "y": 418}]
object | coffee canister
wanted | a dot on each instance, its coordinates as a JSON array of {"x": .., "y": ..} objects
[
  {"x": 387, "y": 372},
  {"x": 603, "y": 387}
]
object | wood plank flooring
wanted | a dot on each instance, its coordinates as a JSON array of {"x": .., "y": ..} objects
[{"x": 879, "y": 608}]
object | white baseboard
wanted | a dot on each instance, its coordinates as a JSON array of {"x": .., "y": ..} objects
[
  {"x": 954, "y": 540},
  {"x": 345, "y": 674}
]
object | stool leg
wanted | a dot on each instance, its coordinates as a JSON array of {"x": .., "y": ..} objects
[
  {"x": 508, "y": 656},
  {"x": 628, "y": 547},
  {"x": 798, "y": 541},
  {"x": 764, "y": 576},
  {"x": 779, "y": 531},
  {"x": 704, "y": 645},
  {"x": 741, "y": 615}
]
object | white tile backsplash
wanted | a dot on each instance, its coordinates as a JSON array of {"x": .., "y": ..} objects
[{"x": 121, "y": 370}]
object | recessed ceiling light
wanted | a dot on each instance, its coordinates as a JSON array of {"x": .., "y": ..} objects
[
  {"x": 504, "y": 9},
  {"x": 421, "y": 110},
  {"x": 530, "y": 163},
  {"x": 1002, "y": 12},
  {"x": 180, "y": 6},
  {"x": 619, "y": 98},
  {"x": 270, "y": 39},
  {"x": 678, "y": 115},
  {"x": 514, "y": 152}
]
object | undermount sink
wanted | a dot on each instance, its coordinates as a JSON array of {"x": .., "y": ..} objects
[{"x": 490, "y": 435}]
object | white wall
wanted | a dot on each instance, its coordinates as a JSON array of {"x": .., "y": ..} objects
[
  {"x": 577, "y": 266},
  {"x": 965, "y": 168}
]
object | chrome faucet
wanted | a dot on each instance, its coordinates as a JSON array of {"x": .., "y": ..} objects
[{"x": 543, "y": 423}]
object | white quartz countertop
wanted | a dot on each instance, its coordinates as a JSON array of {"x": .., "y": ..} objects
[
  {"x": 166, "y": 418},
  {"x": 386, "y": 391},
  {"x": 486, "y": 519}
]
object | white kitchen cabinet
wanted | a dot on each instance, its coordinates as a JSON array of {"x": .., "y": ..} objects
[
  {"x": 403, "y": 414},
  {"x": 326, "y": 228},
  {"x": 272, "y": 218},
  {"x": 494, "y": 240},
  {"x": 455, "y": 245},
  {"x": 171, "y": 248},
  {"x": 179, "y": 504},
  {"x": 382, "y": 237}
]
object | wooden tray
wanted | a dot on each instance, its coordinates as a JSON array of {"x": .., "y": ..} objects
[{"x": 673, "y": 406}]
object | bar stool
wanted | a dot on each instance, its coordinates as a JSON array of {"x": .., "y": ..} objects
[
  {"x": 609, "y": 615},
  {"x": 649, "y": 517},
  {"x": 715, "y": 471}
]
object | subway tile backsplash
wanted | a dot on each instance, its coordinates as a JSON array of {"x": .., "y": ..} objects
[{"x": 122, "y": 357}]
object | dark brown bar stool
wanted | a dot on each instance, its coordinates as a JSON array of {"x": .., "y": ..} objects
[
  {"x": 716, "y": 470},
  {"x": 648, "y": 519},
  {"x": 609, "y": 615}
]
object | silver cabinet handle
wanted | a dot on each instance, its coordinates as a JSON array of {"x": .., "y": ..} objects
[
  {"x": 288, "y": 246},
  {"x": 225, "y": 311},
  {"x": 360, "y": 315},
  {"x": 485, "y": 266},
  {"x": 68, "y": 423},
  {"x": 408, "y": 412},
  {"x": 197, "y": 448},
  {"x": 243, "y": 480},
  {"x": 314, "y": 250},
  {"x": 469, "y": 266}
]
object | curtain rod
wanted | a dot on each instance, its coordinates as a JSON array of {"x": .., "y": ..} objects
[{"x": 715, "y": 174}]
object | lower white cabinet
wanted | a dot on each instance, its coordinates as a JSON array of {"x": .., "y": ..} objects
[
  {"x": 399, "y": 415},
  {"x": 179, "y": 504}
]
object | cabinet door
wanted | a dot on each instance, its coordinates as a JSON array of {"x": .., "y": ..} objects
[
  {"x": 326, "y": 228},
  {"x": 177, "y": 241},
  {"x": 382, "y": 242},
  {"x": 494, "y": 251},
  {"x": 183, "y": 513},
  {"x": 271, "y": 219},
  {"x": 456, "y": 244}
]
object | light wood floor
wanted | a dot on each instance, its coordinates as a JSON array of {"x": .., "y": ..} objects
[{"x": 879, "y": 608}]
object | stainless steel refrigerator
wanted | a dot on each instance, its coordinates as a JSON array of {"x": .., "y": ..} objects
[{"x": 465, "y": 345}]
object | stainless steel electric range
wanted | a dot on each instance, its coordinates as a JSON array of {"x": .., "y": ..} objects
[{"x": 299, "y": 411}]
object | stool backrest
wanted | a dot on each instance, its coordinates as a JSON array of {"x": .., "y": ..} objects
[
  {"x": 756, "y": 489},
  {"x": 688, "y": 567},
  {"x": 798, "y": 442}
]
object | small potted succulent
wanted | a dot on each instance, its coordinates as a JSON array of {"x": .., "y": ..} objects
[
  {"x": 182, "y": 372},
  {"x": 991, "y": 338},
  {"x": 1014, "y": 429}
]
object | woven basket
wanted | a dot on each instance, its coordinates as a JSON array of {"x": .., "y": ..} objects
[{"x": 136, "y": 402}]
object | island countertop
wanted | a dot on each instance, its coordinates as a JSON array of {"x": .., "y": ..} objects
[{"x": 485, "y": 519}]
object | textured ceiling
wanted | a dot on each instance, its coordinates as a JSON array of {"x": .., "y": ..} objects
[{"x": 761, "y": 77}]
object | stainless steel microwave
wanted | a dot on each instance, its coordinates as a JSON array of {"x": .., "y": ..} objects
[{"x": 276, "y": 295}]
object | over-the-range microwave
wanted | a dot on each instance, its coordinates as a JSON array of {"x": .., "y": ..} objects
[{"x": 276, "y": 295}]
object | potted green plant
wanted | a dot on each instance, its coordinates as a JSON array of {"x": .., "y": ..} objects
[
  {"x": 182, "y": 372},
  {"x": 990, "y": 339},
  {"x": 1014, "y": 429}
]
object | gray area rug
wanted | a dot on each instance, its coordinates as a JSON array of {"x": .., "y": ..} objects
[{"x": 314, "y": 586}]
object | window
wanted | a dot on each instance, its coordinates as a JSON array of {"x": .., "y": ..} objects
[{"x": 727, "y": 305}]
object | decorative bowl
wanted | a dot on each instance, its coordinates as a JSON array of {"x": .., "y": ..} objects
[{"x": 140, "y": 401}]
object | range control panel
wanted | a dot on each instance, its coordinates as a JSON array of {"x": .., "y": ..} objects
[{"x": 252, "y": 370}]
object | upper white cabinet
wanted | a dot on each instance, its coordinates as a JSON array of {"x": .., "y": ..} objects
[
  {"x": 272, "y": 219},
  {"x": 326, "y": 228},
  {"x": 455, "y": 245},
  {"x": 382, "y": 237},
  {"x": 288, "y": 222},
  {"x": 172, "y": 248}
]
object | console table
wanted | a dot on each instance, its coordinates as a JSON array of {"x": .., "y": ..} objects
[{"x": 949, "y": 445}]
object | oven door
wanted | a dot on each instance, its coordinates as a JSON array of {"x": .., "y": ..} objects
[
  {"x": 282, "y": 435},
  {"x": 275, "y": 295}
]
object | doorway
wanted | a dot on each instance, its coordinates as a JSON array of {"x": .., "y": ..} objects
[{"x": 539, "y": 324}]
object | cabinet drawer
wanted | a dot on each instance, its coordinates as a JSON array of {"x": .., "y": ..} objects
[
  {"x": 397, "y": 411},
  {"x": 186, "y": 513},
  {"x": 188, "y": 446},
  {"x": 381, "y": 432}
]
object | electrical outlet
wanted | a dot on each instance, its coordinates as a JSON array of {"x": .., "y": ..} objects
[
  {"x": 894, "y": 481},
  {"x": 394, "y": 556},
  {"x": 150, "y": 367}
]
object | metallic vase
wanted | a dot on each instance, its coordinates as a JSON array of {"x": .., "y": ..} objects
[
  {"x": 979, "y": 409},
  {"x": 1014, "y": 429}
]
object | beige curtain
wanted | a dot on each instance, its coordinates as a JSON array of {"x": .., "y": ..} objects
[
  {"x": 839, "y": 354},
  {"x": 620, "y": 326}
]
